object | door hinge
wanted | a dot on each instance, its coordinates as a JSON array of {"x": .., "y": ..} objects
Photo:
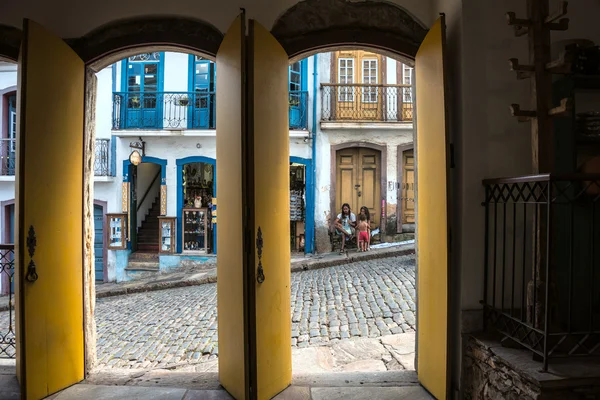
[{"x": 452, "y": 165}]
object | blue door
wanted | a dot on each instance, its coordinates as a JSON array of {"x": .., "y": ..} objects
[
  {"x": 202, "y": 86},
  {"x": 143, "y": 84},
  {"x": 298, "y": 95},
  {"x": 99, "y": 243}
]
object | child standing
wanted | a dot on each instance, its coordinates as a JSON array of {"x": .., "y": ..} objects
[{"x": 363, "y": 233}]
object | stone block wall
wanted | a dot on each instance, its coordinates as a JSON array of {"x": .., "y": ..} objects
[{"x": 488, "y": 375}]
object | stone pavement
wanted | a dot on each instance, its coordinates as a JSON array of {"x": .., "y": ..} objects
[
  {"x": 178, "y": 327},
  {"x": 207, "y": 273}
]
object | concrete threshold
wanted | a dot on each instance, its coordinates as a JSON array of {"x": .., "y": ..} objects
[{"x": 322, "y": 386}]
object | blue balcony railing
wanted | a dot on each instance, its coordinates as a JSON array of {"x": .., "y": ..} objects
[
  {"x": 185, "y": 110},
  {"x": 164, "y": 110}
]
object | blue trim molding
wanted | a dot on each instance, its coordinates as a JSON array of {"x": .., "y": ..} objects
[
  {"x": 309, "y": 227},
  {"x": 154, "y": 160},
  {"x": 180, "y": 163}
]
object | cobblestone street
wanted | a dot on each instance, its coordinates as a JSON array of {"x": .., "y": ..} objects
[{"x": 366, "y": 299}]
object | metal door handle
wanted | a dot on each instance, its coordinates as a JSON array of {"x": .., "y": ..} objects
[
  {"x": 31, "y": 275},
  {"x": 260, "y": 275}
]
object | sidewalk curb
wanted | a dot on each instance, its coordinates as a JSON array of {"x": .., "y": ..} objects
[{"x": 297, "y": 267}]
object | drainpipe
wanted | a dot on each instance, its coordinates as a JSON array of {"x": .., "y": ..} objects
[{"x": 314, "y": 150}]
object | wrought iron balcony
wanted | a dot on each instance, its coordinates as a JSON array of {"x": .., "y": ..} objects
[
  {"x": 541, "y": 264},
  {"x": 366, "y": 103},
  {"x": 8, "y": 153},
  {"x": 164, "y": 110},
  {"x": 184, "y": 110},
  {"x": 102, "y": 158},
  {"x": 7, "y": 318}
]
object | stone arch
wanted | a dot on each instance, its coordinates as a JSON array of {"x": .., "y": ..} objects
[
  {"x": 312, "y": 26},
  {"x": 119, "y": 39}
]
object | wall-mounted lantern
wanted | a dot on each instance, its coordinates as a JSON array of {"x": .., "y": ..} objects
[{"x": 135, "y": 157}]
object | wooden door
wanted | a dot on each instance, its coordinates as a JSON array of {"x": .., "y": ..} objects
[
  {"x": 359, "y": 96},
  {"x": 49, "y": 208},
  {"x": 432, "y": 213},
  {"x": 408, "y": 187},
  {"x": 358, "y": 181},
  {"x": 269, "y": 159},
  {"x": 234, "y": 356}
]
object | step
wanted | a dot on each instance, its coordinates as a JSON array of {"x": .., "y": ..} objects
[
  {"x": 148, "y": 247},
  {"x": 142, "y": 266},
  {"x": 143, "y": 256}
]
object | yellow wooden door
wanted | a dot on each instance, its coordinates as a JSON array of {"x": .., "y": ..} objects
[
  {"x": 49, "y": 209},
  {"x": 253, "y": 289},
  {"x": 269, "y": 161},
  {"x": 432, "y": 213},
  {"x": 358, "y": 181},
  {"x": 408, "y": 187},
  {"x": 369, "y": 191},
  {"x": 233, "y": 327},
  {"x": 347, "y": 180}
]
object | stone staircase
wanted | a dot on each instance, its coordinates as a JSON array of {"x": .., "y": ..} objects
[
  {"x": 145, "y": 261},
  {"x": 147, "y": 236}
]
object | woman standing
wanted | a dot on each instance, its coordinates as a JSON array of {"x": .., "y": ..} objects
[{"x": 365, "y": 211}]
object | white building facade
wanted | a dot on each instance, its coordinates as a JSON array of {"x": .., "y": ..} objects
[{"x": 163, "y": 212}]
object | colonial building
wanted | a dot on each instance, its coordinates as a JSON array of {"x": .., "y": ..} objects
[{"x": 352, "y": 110}]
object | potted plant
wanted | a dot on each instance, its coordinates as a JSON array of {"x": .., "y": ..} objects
[
  {"x": 135, "y": 102},
  {"x": 184, "y": 101}
]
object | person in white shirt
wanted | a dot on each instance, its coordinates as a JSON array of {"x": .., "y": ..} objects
[{"x": 345, "y": 224}]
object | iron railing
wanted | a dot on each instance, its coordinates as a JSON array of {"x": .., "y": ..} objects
[
  {"x": 7, "y": 313},
  {"x": 8, "y": 153},
  {"x": 185, "y": 110},
  {"x": 164, "y": 110},
  {"x": 541, "y": 270},
  {"x": 102, "y": 158},
  {"x": 298, "y": 101},
  {"x": 364, "y": 102}
]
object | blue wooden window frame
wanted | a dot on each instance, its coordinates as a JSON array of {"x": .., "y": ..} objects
[
  {"x": 129, "y": 123},
  {"x": 196, "y": 118},
  {"x": 298, "y": 93}
]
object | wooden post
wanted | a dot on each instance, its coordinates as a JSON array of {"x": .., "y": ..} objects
[{"x": 541, "y": 67}]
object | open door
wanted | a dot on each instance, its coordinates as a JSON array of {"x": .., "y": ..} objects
[
  {"x": 432, "y": 213},
  {"x": 269, "y": 198},
  {"x": 49, "y": 209},
  {"x": 253, "y": 289},
  {"x": 231, "y": 291}
]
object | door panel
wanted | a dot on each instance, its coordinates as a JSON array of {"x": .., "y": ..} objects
[
  {"x": 408, "y": 187},
  {"x": 50, "y": 199},
  {"x": 370, "y": 183},
  {"x": 269, "y": 131},
  {"x": 346, "y": 178},
  {"x": 98, "y": 243},
  {"x": 432, "y": 213},
  {"x": 230, "y": 290}
]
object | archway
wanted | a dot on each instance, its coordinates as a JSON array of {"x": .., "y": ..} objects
[{"x": 348, "y": 37}]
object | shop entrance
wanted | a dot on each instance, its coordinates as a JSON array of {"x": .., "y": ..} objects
[
  {"x": 297, "y": 207},
  {"x": 196, "y": 225}
]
